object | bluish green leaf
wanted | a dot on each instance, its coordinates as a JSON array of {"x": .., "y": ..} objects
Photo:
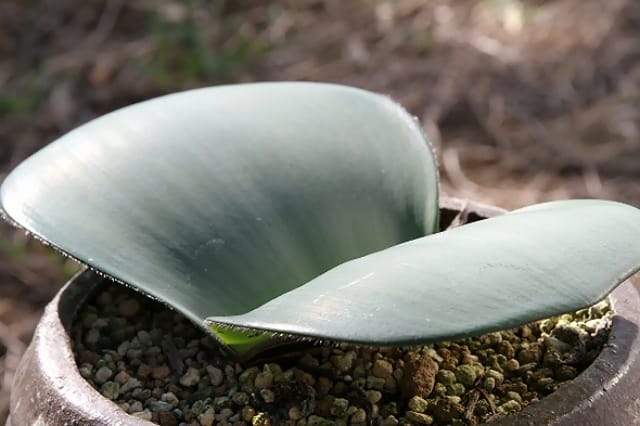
[
  {"x": 217, "y": 200},
  {"x": 491, "y": 275}
]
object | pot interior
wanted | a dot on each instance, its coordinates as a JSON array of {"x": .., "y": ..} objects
[{"x": 157, "y": 366}]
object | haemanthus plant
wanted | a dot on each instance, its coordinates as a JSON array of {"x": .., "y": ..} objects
[{"x": 278, "y": 210}]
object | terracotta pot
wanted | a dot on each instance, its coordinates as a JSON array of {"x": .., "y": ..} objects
[{"x": 48, "y": 389}]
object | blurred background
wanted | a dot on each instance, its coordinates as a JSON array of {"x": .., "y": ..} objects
[{"x": 525, "y": 100}]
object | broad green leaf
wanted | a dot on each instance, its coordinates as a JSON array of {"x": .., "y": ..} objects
[
  {"x": 491, "y": 275},
  {"x": 217, "y": 200}
]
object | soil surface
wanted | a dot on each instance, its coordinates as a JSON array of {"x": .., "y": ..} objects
[
  {"x": 158, "y": 366},
  {"x": 525, "y": 100}
]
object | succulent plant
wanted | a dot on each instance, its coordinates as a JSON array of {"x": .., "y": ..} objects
[{"x": 307, "y": 210}]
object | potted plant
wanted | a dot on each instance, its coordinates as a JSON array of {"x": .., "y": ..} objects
[{"x": 269, "y": 211}]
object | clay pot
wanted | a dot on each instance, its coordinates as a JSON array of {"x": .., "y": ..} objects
[{"x": 48, "y": 389}]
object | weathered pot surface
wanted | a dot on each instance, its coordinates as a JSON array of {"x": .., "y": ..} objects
[{"x": 48, "y": 389}]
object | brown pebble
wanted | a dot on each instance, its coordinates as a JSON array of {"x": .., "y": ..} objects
[
  {"x": 157, "y": 392},
  {"x": 122, "y": 377},
  {"x": 88, "y": 357},
  {"x": 339, "y": 388},
  {"x": 450, "y": 364},
  {"x": 419, "y": 376},
  {"x": 128, "y": 307},
  {"x": 469, "y": 359},
  {"x": 161, "y": 372},
  {"x": 323, "y": 385},
  {"x": 144, "y": 370},
  {"x": 446, "y": 410},
  {"x": 419, "y": 418},
  {"x": 323, "y": 406},
  {"x": 166, "y": 418},
  {"x": 506, "y": 348},
  {"x": 532, "y": 354},
  {"x": 382, "y": 369},
  {"x": 444, "y": 352}
]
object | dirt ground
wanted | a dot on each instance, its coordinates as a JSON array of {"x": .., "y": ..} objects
[{"x": 524, "y": 100}]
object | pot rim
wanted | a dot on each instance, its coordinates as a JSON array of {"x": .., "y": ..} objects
[{"x": 48, "y": 377}]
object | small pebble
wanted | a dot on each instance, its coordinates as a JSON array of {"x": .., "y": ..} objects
[
  {"x": 86, "y": 370},
  {"x": 121, "y": 378},
  {"x": 374, "y": 396},
  {"x": 170, "y": 398},
  {"x": 509, "y": 407},
  {"x": 512, "y": 365},
  {"x": 207, "y": 417},
  {"x": 513, "y": 396},
  {"x": 466, "y": 375},
  {"x": 157, "y": 406},
  {"x": 144, "y": 370},
  {"x": 166, "y": 418},
  {"x": 161, "y": 372},
  {"x": 141, "y": 394},
  {"x": 263, "y": 380},
  {"x": 360, "y": 416},
  {"x": 123, "y": 347},
  {"x": 344, "y": 362},
  {"x": 390, "y": 421},
  {"x": 224, "y": 414},
  {"x": 566, "y": 372},
  {"x": 240, "y": 398},
  {"x": 247, "y": 413},
  {"x": 315, "y": 420},
  {"x": 102, "y": 375},
  {"x": 418, "y": 404},
  {"x": 456, "y": 389},
  {"x": 92, "y": 337},
  {"x": 110, "y": 390},
  {"x": 339, "y": 407},
  {"x": 382, "y": 369},
  {"x": 261, "y": 419},
  {"x": 144, "y": 415},
  {"x": 323, "y": 385},
  {"x": 446, "y": 377},
  {"x": 216, "y": 375},
  {"x": 489, "y": 384},
  {"x": 191, "y": 377},
  {"x": 135, "y": 407},
  {"x": 294, "y": 413},
  {"x": 498, "y": 376},
  {"x": 100, "y": 323},
  {"x": 131, "y": 384},
  {"x": 222, "y": 402},
  {"x": 144, "y": 337},
  {"x": 129, "y": 307},
  {"x": 374, "y": 382},
  {"x": 419, "y": 418},
  {"x": 267, "y": 395}
]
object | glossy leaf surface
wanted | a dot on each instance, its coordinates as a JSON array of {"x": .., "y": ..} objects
[
  {"x": 217, "y": 200},
  {"x": 502, "y": 272}
]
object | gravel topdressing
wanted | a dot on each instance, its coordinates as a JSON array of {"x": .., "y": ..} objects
[{"x": 157, "y": 366}]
